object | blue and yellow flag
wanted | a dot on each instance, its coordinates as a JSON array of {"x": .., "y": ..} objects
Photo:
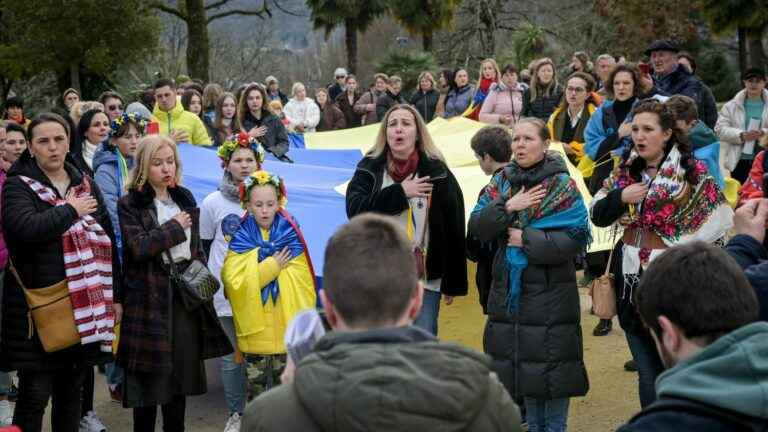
[{"x": 251, "y": 277}]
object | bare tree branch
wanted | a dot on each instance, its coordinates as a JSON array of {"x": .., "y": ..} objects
[
  {"x": 259, "y": 13},
  {"x": 286, "y": 11},
  {"x": 167, "y": 9},
  {"x": 216, "y": 5}
]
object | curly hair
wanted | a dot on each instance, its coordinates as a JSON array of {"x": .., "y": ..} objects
[{"x": 667, "y": 121}]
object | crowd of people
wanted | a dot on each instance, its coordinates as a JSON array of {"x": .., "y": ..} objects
[{"x": 107, "y": 260}]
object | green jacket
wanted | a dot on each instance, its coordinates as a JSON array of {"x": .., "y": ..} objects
[
  {"x": 731, "y": 373},
  {"x": 728, "y": 380},
  {"x": 396, "y": 379},
  {"x": 180, "y": 119}
]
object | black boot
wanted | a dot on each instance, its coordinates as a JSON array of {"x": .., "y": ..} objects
[
  {"x": 630, "y": 366},
  {"x": 603, "y": 327}
]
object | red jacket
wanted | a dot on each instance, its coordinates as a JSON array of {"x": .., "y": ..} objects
[{"x": 753, "y": 186}]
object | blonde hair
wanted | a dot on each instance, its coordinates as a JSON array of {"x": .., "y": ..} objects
[
  {"x": 275, "y": 105},
  {"x": 295, "y": 87},
  {"x": 535, "y": 78},
  {"x": 383, "y": 76},
  {"x": 495, "y": 67},
  {"x": 428, "y": 75},
  {"x": 79, "y": 108},
  {"x": 423, "y": 139},
  {"x": 147, "y": 148}
]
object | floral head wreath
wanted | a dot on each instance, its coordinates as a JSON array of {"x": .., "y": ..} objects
[
  {"x": 117, "y": 123},
  {"x": 241, "y": 140},
  {"x": 263, "y": 178}
]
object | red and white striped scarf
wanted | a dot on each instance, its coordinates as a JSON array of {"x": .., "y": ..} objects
[{"x": 88, "y": 267}]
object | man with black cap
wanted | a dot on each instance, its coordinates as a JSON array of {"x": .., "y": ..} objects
[
  {"x": 742, "y": 122},
  {"x": 672, "y": 79}
]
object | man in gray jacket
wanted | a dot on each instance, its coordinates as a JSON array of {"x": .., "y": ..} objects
[{"x": 376, "y": 372}]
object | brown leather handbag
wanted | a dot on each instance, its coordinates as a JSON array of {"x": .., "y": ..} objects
[
  {"x": 603, "y": 291},
  {"x": 50, "y": 310}
]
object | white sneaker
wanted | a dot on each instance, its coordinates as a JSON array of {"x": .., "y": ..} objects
[
  {"x": 92, "y": 423},
  {"x": 6, "y": 413},
  {"x": 233, "y": 424}
]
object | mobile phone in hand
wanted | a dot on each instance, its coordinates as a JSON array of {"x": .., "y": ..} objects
[{"x": 645, "y": 68}]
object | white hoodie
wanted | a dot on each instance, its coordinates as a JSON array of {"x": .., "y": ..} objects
[{"x": 305, "y": 113}]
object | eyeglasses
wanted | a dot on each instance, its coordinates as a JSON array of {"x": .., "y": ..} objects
[
  {"x": 341, "y": 76},
  {"x": 576, "y": 90},
  {"x": 114, "y": 107}
]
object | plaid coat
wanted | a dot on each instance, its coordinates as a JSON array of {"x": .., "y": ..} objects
[{"x": 145, "y": 334}]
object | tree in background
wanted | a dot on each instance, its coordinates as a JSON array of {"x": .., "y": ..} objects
[
  {"x": 355, "y": 15},
  {"x": 640, "y": 23},
  {"x": 527, "y": 43},
  {"x": 749, "y": 18},
  {"x": 407, "y": 65},
  {"x": 197, "y": 15},
  {"x": 82, "y": 43},
  {"x": 424, "y": 17}
]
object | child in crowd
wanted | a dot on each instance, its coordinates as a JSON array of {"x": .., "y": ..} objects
[
  {"x": 276, "y": 107},
  {"x": 220, "y": 217},
  {"x": 493, "y": 149},
  {"x": 267, "y": 273}
]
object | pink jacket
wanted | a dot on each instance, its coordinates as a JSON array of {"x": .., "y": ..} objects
[{"x": 502, "y": 101}]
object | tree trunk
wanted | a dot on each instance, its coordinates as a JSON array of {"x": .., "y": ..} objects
[
  {"x": 350, "y": 27},
  {"x": 197, "y": 40},
  {"x": 426, "y": 41},
  {"x": 756, "y": 52},
  {"x": 74, "y": 77},
  {"x": 742, "y": 35}
]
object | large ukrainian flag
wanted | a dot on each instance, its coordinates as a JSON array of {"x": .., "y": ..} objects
[{"x": 264, "y": 297}]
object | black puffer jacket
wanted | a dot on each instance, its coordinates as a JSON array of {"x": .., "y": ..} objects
[
  {"x": 33, "y": 230},
  {"x": 276, "y": 139},
  {"x": 537, "y": 350},
  {"x": 543, "y": 106},
  {"x": 445, "y": 254},
  {"x": 425, "y": 103}
]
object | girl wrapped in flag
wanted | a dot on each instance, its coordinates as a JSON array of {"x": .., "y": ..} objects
[{"x": 267, "y": 274}]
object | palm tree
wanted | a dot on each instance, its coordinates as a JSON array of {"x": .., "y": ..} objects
[
  {"x": 355, "y": 15},
  {"x": 748, "y": 17},
  {"x": 424, "y": 17}
]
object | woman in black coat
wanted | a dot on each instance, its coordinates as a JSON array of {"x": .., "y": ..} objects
[
  {"x": 533, "y": 333},
  {"x": 404, "y": 175},
  {"x": 92, "y": 129},
  {"x": 34, "y": 230},
  {"x": 162, "y": 342},
  {"x": 541, "y": 99},
  {"x": 346, "y": 102},
  {"x": 424, "y": 99},
  {"x": 255, "y": 118}
]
